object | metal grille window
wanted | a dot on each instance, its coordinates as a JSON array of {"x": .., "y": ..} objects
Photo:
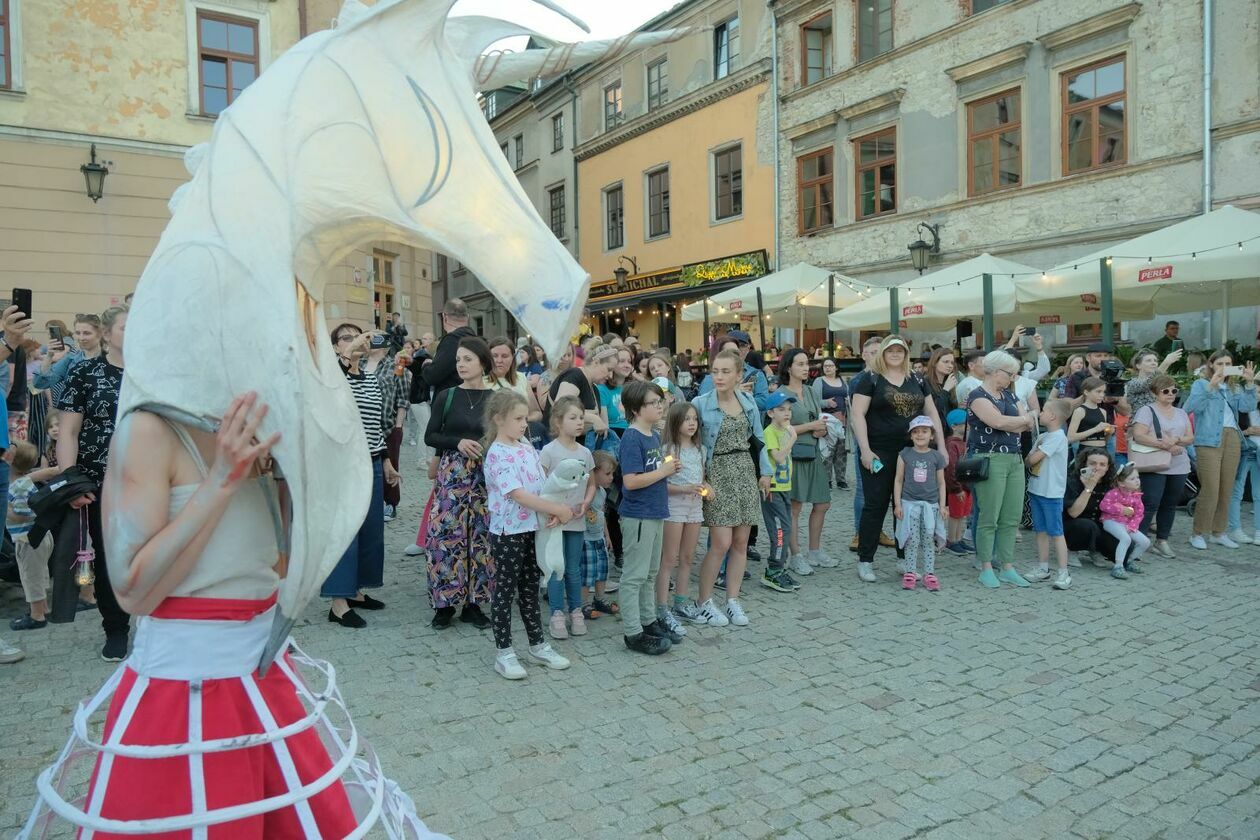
[
  {"x": 612, "y": 106},
  {"x": 658, "y": 202},
  {"x": 994, "y": 159},
  {"x": 657, "y": 84},
  {"x": 556, "y": 202},
  {"x": 725, "y": 48},
  {"x": 876, "y": 156},
  {"x": 728, "y": 182},
  {"x": 1093, "y": 116},
  {"x": 227, "y": 49},
  {"x": 557, "y": 132},
  {"x": 875, "y": 28},
  {"x": 614, "y": 223}
]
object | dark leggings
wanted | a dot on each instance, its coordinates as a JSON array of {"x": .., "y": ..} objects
[
  {"x": 877, "y": 488},
  {"x": 1160, "y": 495},
  {"x": 1087, "y": 535},
  {"x": 515, "y": 573}
]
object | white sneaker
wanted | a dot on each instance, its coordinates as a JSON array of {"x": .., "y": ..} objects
[
  {"x": 866, "y": 571},
  {"x": 389, "y": 513},
  {"x": 1074, "y": 559},
  {"x": 413, "y": 550},
  {"x": 1063, "y": 581},
  {"x": 1223, "y": 539},
  {"x": 559, "y": 630},
  {"x": 822, "y": 559},
  {"x": 1238, "y": 535},
  {"x": 711, "y": 615},
  {"x": 736, "y": 613},
  {"x": 797, "y": 564},
  {"x": 1198, "y": 542},
  {"x": 689, "y": 611},
  {"x": 1037, "y": 575},
  {"x": 10, "y": 653},
  {"x": 508, "y": 665},
  {"x": 545, "y": 654},
  {"x": 666, "y": 616}
]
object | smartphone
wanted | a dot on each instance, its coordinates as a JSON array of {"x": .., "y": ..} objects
[
  {"x": 1232, "y": 370},
  {"x": 22, "y": 300},
  {"x": 1178, "y": 344},
  {"x": 54, "y": 332},
  {"x": 1030, "y": 330},
  {"x": 1085, "y": 473}
]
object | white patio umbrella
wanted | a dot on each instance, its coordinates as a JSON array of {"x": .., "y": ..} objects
[
  {"x": 936, "y": 301},
  {"x": 793, "y": 297},
  {"x": 1175, "y": 269}
]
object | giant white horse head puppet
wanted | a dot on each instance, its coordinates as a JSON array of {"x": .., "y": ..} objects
[{"x": 369, "y": 131}]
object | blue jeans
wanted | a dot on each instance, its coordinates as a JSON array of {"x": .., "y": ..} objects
[
  {"x": 1248, "y": 465},
  {"x": 571, "y": 584},
  {"x": 363, "y": 564}
]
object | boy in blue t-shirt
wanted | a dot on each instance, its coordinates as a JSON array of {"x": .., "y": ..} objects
[
  {"x": 1048, "y": 462},
  {"x": 643, "y": 509}
]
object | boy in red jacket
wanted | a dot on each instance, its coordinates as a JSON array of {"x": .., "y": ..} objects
[{"x": 958, "y": 497}]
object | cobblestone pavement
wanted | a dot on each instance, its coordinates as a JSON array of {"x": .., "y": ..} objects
[{"x": 1118, "y": 709}]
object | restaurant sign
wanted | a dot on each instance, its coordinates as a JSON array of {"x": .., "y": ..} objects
[
  {"x": 1160, "y": 272},
  {"x": 740, "y": 266},
  {"x": 912, "y": 309}
]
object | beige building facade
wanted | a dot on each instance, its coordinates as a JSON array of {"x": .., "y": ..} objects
[
  {"x": 1035, "y": 130},
  {"x": 142, "y": 82},
  {"x": 674, "y": 186}
]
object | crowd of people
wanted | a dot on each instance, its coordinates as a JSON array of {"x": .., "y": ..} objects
[{"x": 960, "y": 448}]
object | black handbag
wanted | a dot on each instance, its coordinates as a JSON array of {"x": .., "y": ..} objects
[
  {"x": 972, "y": 470},
  {"x": 806, "y": 448}
]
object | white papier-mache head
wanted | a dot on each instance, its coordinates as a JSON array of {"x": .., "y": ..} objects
[{"x": 368, "y": 131}]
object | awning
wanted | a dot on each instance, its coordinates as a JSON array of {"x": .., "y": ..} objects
[{"x": 686, "y": 282}]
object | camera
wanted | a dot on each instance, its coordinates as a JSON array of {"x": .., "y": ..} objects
[{"x": 1112, "y": 373}]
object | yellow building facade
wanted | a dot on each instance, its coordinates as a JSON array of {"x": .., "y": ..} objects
[
  {"x": 142, "y": 82},
  {"x": 674, "y": 185}
]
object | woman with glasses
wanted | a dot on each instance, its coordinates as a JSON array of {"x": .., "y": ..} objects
[
  {"x": 458, "y": 541},
  {"x": 1161, "y": 489},
  {"x": 809, "y": 472},
  {"x": 994, "y": 424},
  {"x": 362, "y": 566}
]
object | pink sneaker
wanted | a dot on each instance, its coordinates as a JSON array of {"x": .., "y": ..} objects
[
  {"x": 908, "y": 580},
  {"x": 932, "y": 584},
  {"x": 579, "y": 623},
  {"x": 558, "y": 628}
]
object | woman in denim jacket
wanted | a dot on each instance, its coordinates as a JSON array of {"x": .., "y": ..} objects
[
  {"x": 730, "y": 420},
  {"x": 1215, "y": 404}
]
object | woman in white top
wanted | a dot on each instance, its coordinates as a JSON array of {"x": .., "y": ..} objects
[{"x": 505, "y": 374}]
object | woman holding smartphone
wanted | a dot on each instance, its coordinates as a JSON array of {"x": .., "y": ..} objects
[{"x": 1215, "y": 404}]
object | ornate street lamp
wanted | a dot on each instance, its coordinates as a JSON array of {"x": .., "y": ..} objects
[
  {"x": 94, "y": 174},
  {"x": 920, "y": 251},
  {"x": 620, "y": 274}
]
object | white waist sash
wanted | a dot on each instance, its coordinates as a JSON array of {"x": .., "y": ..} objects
[{"x": 188, "y": 649}]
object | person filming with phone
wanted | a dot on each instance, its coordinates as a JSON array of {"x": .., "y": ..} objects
[{"x": 1170, "y": 342}]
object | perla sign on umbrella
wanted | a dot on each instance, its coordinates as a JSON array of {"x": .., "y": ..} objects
[{"x": 1163, "y": 272}]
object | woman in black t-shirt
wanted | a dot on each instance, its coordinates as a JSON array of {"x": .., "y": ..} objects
[
  {"x": 580, "y": 382},
  {"x": 884, "y": 403}
]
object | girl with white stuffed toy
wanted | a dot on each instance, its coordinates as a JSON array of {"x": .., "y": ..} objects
[
  {"x": 567, "y": 420},
  {"x": 514, "y": 478}
]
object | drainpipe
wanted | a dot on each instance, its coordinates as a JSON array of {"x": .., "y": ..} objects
[
  {"x": 774, "y": 92},
  {"x": 1207, "y": 106},
  {"x": 301, "y": 10},
  {"x": 568, "y": 83}
]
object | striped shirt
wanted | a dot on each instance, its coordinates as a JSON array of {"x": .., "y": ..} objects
[{"x": 367, "y": 396}]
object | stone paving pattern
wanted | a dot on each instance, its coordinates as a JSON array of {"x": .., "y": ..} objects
[{"x": 1118, "y": 709}]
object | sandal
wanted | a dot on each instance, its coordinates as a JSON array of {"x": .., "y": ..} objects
[
  {"x": 932, "y": 584},
  {"x": 908, "y": 580}
]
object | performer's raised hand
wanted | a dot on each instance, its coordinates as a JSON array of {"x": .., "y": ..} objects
[{"x": 237, "y": 449}]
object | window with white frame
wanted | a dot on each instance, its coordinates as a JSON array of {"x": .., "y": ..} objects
[
  {"x": 555, "y": 200},
  {"x": 657, "y": 84},
  {"x": 614, "y": 218},
  {"x": 725, "y": 48},
  {"x": 658, "y": 202},
  {"x": 612, "y": 106},
  {"x": 728, "y": 183}
]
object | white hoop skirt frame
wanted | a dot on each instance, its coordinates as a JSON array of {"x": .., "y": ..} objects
[{"x": 306, "y": 789}]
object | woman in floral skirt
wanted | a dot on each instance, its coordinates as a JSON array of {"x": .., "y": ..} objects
[{"x": 458, "y": 539}]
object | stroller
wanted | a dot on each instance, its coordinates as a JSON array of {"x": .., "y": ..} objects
[{"x": 1190, "y": 493}]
